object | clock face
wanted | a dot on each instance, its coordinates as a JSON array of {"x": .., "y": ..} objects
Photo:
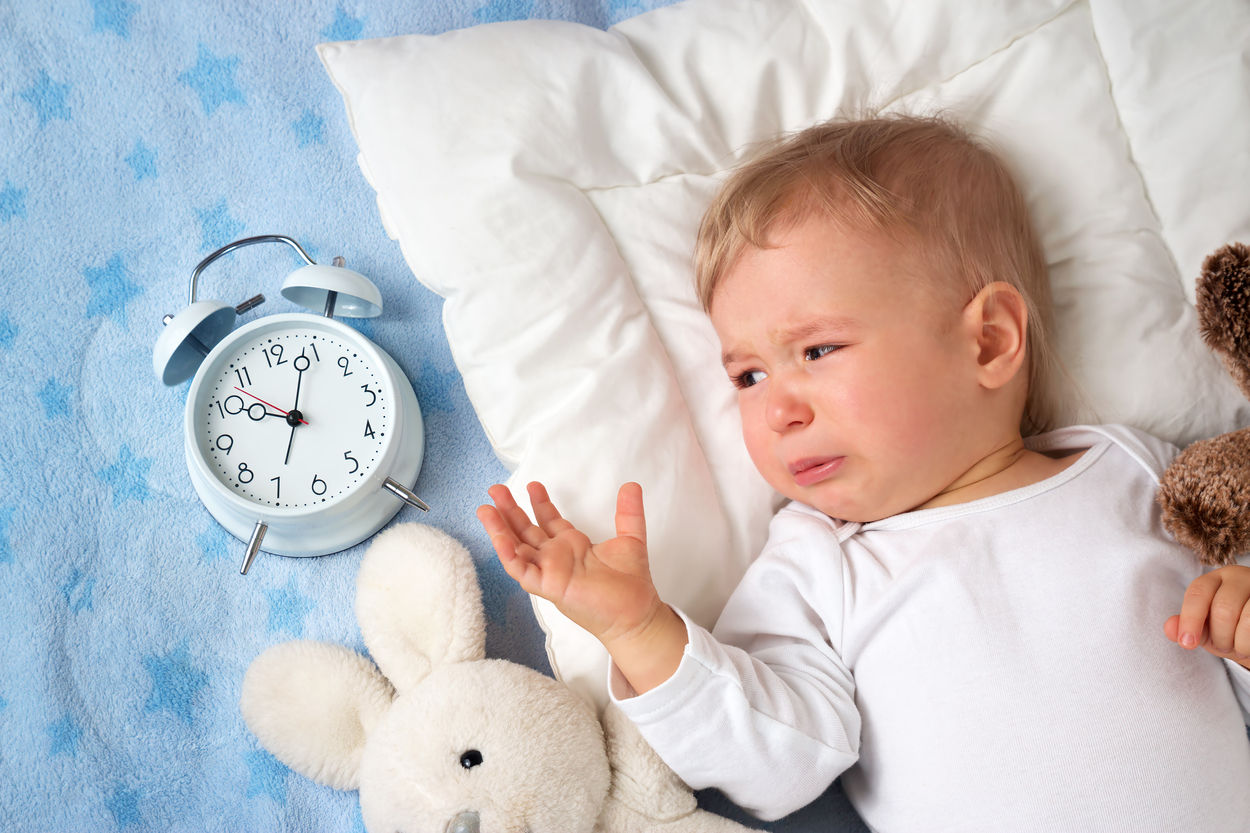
[{"x": 293, "y": 415}]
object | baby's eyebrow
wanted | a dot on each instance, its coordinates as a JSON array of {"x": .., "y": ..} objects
[{"x": 836, "y": 325}]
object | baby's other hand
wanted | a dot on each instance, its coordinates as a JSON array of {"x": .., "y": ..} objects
[
  {"x": 605, "y": 588},
  {"x": 1215, "y": 615}
]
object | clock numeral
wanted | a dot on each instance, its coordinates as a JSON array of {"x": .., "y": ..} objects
[
  {"x": 245, "y": 474},
  {"x": 313, "y": 347},
  {"x": 343, "y": 363},
  {"x": 277, "y": 486},
  {"x": 224, "y": 442},
  {"x": 244, "y": 377},
  {"x": 368, "y": 429},
  {"x": 232, "y": 405},
  {"x": 347, "y": 455},
  {"x": 276, "y": 351},
  {"x": 373, "y": 396},
  {"x": 318, "y": 485}
]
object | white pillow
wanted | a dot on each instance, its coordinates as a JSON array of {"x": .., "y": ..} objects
[{"x": 547, "y": 179}]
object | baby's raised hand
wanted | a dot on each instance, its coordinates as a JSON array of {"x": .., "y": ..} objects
[
  {"x": 605, "y": 588},
  {"x": 1215, "y": 615}
]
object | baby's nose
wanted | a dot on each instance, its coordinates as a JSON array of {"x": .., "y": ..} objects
[{"x": 787, "y": 406}]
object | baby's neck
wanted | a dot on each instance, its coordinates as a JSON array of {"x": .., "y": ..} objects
[{"x": 1010, "y": 466}]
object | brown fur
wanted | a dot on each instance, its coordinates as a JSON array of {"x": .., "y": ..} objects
[{"x": 1205, "y": 493}]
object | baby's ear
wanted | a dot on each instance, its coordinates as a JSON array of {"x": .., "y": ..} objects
[
  {"x": 997, "y": 318},
  {"x": 419, "y": 604},
  {"x": 312, "y": 705}
]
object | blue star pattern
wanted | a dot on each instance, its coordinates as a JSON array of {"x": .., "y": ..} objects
[
  {"x": 6, "y": 521},
  {"x": 55, "y": 398},
  {"x": 64, "y": 735},
  {"x": 498, "y": 10},
  {"x": 12, "y": 202},
  {"x": 49, "y": 98},
  {"x": 213, "y": 542},
  {"x": 111, "y": 289},
  {"x": 128, "y": 476},
  {"x": 436, "y": 390},
  {"x": 344, "y": 27},
  {"x": 212, "y": 78},
  {"x": 309, "y": 129},
  {"x": 8, "y": 330},
  {"x": 287, "y": 609},
  {"x": 176, "y": 683},
  {"x": 266, "y": 776},
  {"x": 142, "y": 160},
  {"x": 217, "y": 227},
  {"x": 123, "y": 803},
  {"x": 78, "y": 590},
  {"x": 114, "y": 15}
]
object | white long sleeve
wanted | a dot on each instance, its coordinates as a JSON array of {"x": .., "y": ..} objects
[{"x": 996, "y": 665}]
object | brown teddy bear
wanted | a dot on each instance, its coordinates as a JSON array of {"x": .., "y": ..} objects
[{"x": 1205, "y": 493}]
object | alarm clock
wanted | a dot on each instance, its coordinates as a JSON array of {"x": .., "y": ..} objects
[{"x": 301, "y": 434}]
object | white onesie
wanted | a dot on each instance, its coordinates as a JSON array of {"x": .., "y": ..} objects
[{"x": 995, "y": 665}]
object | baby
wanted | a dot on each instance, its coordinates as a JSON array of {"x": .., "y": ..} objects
[{"x": 956, "y": 613}]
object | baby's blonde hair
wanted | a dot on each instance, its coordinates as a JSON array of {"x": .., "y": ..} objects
[{"x": 922, "y": 179}]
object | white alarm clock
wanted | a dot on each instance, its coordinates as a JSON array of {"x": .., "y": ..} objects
[{"x": 301, "y": 434}]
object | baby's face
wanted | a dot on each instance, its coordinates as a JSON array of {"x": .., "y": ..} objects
[{"x": 856, "y": 376}]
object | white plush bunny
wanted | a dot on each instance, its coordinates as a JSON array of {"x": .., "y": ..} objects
[{"x": 441, "y": 739}]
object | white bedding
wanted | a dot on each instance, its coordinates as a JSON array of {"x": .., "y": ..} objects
[{"x": 555, "y": 211}]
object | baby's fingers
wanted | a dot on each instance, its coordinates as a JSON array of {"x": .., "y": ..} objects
[
  {"x": 1195, "y": 609},
  {"x": 1229, "y": 621},
  {"x": 515, "y": 518},
  {"x": 545, "y": 512}
]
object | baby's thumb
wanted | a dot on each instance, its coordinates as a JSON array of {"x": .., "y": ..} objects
[{"x": 630, "y": 521}]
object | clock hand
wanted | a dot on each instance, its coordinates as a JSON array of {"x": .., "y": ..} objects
[
  {"x": 275, "y": 407},
  {"x": 295, "y": 408}
]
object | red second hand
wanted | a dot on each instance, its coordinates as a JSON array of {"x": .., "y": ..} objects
[{"x": 263, "y": 402}]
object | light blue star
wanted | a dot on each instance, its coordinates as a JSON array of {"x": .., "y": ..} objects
[
  {"x": 212, "y": 78},
  {"x": 344, "y": 27},
  {"x": 6, "y": 548},
  {"x": 128, "y": 476},
  {"x": 619, "y": 10},
  {"x": 65, "y": 735},
  {"x": 48, "y": 98},
  {"x": 8, "y": 330},
  {"x": 124, "y": 805},
  {"x": 213, "y": 543},
  {"x": 12, "y": 202},
  {"x": 143, "y": 161},
  {"x": 309, "y": 129},
  {"x": 497, "y": 10},
  {"x": 55, "y": 398},
  {"x": 288, "y": 608},
  {"x": 217, "y": 227},
  {"x": 437, "y": 390},
  {"x": 175, "y": 682},
  {"x": 115, "y": 15},
  {"x": 78, "y": 591},
  {"x": 266, "y": 776},
  {"x": 111, "y": 289}
]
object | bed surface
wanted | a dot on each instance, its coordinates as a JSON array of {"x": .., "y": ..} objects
[{"x": 140, "y": 136}]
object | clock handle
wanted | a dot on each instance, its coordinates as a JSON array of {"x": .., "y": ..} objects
[
  {"x": 405, "y": 494},
  {"x": 253, "y": 546}
]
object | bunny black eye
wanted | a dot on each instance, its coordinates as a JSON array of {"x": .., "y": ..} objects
[{"x": 471, "y": 759}]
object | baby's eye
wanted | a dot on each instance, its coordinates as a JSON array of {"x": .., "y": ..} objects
[
  {"x": 811, "y": 354},
  {"x": 748, "y": 379}
]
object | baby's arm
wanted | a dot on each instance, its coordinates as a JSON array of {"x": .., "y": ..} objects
[
  {"x": 605, "y": 588},
  {"x": 1215, "y": 615}
]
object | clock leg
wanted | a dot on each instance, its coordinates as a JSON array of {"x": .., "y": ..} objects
[
  {"x": 405, "y": 494},
  {"x": 253, "y": 546}
]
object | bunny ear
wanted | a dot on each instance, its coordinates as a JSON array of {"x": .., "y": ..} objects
[
  {"x": 418, "y": 603},
  {"x": 312, "y": 705}
]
